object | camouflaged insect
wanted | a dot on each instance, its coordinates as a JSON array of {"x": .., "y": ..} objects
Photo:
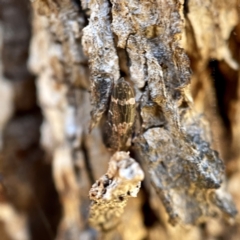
[{"x": 121, "y": 115}]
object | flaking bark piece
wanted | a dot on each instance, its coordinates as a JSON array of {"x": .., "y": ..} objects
[
  {"x": 100, "y": 93},
  {"x": 186, "y": 173},
  {"x": 99, "y": 46},
  {"x": 110, "y": 193}
]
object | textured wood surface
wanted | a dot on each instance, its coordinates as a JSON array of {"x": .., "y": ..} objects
[{"x": 60, "y": 64}]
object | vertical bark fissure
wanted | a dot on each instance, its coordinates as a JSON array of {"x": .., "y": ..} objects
[{"x": 87, "y": 163}]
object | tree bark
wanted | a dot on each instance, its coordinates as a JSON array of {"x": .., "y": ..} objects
[{"x": 97, "y": 96}]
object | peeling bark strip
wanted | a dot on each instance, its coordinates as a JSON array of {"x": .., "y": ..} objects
[
  {"x": 63, "y": 84},
  {"x": 110, "y": 193},
  {"x": 99, "y": 46},
  {"x": 121, "y": 115}
]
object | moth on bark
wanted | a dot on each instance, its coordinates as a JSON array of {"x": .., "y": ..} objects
[{"x": 121, "y": 116}]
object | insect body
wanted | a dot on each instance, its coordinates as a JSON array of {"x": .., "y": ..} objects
[{"x": 121, "y": 115}]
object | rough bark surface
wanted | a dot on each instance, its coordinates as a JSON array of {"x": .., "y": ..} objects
[{"x": 60, "y": 66}]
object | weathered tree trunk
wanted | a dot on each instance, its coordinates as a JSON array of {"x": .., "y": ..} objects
[{"x": 97, "y": 96}]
